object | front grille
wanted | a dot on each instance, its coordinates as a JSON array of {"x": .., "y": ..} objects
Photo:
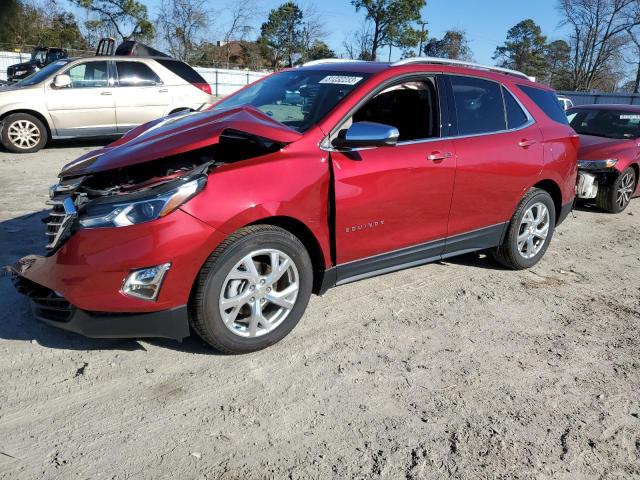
[
  {"x": 47, "y": 304},
  {"x": 63, "y": 213}
]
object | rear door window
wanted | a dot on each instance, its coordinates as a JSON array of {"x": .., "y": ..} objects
[
  {"x": 478, "y": 104},
  {"x": 547, "y": 101},
  {"x": 136, "y": 74},
  {"x": 516, "y": 117},
  {"x": 183, "y": 70}
]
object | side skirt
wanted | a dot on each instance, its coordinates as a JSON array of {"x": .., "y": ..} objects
[{"x": 481, "y": 239}]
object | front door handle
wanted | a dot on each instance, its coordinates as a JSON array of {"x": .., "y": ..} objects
[
  {"x": 438, "y": 156},
  {"x": 163, "y": 90},
  {"x": 524, "y": 143},
  {"x": 106, "y": 93}
]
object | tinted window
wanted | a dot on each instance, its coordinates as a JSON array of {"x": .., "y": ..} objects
[
  {"x": 297, "y": 98},
  {"x": 547, "y": 101},
  {"x": 136, "y": 74},
  {"x": 411, "y": 107},
  {"x": 479, "y": 105},
  {"x": 183, "y": 70},
  {"x": 605, "y": 123},
  {"x": 89, "y": 75},
  {"x": 515, "y": 115}
]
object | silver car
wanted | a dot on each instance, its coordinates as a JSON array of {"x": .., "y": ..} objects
[{"x": 96, "y": 97}]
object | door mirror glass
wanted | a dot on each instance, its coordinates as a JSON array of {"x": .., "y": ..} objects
[
  {"x": 367, "y": 134},
  {"x": 62, "y": 81}
]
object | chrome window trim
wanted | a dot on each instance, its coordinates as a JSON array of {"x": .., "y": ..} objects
[{"x": 530, "y": 121}]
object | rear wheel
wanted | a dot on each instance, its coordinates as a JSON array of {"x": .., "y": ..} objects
[
  {"x": 615, "y": 198},
  {"x": 530, "y": 231},
  {"x": 252, "y": 291},
  {"x": 23, "y": 133}
]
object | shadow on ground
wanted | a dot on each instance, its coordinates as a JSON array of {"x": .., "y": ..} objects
[{"x": 24, "y": 235}]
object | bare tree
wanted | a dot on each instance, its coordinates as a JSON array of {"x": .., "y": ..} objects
[
  {"x": 241, "y": 17},
  {"x": 598, "y": 34},
  {"x": 358, "y": 44},
  {"x": 312, "y": 31},
  {"x": 182, "y": 23},
  {"x": 635, "y": 58}
]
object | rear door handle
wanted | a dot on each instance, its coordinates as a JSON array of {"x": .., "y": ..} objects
[
  {"x": 163, "y": 90},
  {"x": 526, "y": 143},
  {"x": 106, "y": 93},
  {"x": 438, "y": 156}
]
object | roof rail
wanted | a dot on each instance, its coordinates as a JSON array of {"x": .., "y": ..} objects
[
  {"x": 330, "y": 60},
  {"x": 462, "y": 63}
]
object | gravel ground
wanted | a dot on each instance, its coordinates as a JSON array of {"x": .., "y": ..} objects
[{"x": 452, "y": 370}]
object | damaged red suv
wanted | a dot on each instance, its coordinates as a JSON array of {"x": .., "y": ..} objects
[{"x": 227, "y": 220}]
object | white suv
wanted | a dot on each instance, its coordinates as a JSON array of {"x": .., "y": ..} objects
[{"x": 96, "y": 97}]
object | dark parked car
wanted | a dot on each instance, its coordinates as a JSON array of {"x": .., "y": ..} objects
[
  {"x": 609, "y": 156},
  {"x": 40, "y": 57},
  {"x": 228, "y": 219}
]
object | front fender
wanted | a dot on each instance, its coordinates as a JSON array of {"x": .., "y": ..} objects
[{"x": 26, "y": 107}]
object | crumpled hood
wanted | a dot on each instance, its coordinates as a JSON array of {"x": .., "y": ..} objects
[
  {"x": 179, "y": 133},
  {"x": 601, "y": 148}
]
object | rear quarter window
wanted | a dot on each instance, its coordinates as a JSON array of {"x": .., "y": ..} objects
[
  {"x": 547, "y": 101},
  {"x": 183, "y": 70}
]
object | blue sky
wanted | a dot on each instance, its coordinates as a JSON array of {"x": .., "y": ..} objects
[{"x": 486, "y": 23}]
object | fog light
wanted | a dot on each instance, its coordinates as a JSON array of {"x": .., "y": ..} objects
[{"x": 145, "y": 283}]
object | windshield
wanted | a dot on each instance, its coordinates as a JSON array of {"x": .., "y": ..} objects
[
  {"x": 39, "y": 56},
  {"x": 42, "y": 74},
  {"x": 298, "y": 98},
  {"x": 605, "y": 123}
]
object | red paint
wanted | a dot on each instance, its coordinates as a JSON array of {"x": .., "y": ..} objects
[{"x": 385, "y": 198}]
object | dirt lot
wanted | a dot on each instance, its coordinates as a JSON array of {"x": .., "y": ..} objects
[{"x": 451, "y": 370}]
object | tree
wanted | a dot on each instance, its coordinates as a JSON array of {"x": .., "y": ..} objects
[
  {"x": 524, "y": 49},
  {"x": 359, "y": 43},
  {"x": 239, "y": 25},
  {"x": 9, "y": 13},
  {"x": 391, "y": 22},
  {"x": 558, "y": 54},
  {"x": 635, "y": 41},
  {"x": 127, "y": 18},
  {"x": 320, "y": 50},
  {"x": 181, "y": 23},
  {"x": 311, "y": 36},
  {"x": 598, "y": 34},
  {"x": 282, "y": 33},
  {"x": 452, "y": 45}
]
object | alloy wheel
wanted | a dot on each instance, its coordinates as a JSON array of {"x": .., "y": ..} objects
[
  {"x": 259, "y": 293},
  {"x": 625, "y": 190},
  {"x": 24, "y": 134},
  {"x": 533, "y": 231}
]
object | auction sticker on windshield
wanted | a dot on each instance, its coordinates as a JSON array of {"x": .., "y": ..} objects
[{"x": 340, "y": 80}]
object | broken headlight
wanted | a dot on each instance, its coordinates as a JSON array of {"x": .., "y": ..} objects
[{"x": 140, "y": 208}]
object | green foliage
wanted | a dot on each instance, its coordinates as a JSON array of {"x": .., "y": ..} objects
[
  {"x": 26, "y": 24},
  {"x": 282, "y": 33},
  {"x": 558, "y": 54},
  {"x": 392, "y": 22},
  {"x": 524, "y": 49},
  {"x": 320, "y": 50},
  {"x": 452, "y": 45},
  {"x": 128, "y": 18}
]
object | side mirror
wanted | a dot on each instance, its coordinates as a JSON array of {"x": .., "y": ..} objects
[
  {"x": 367, "y": 134},
  {"x": 62, "y": 81}
]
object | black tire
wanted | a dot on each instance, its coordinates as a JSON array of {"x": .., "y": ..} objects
[
  {"x": 13, "y": 120},
  {"x": 508, "y": 254},
  {"x": 204, "y": 310},
  {"x": 607, "y": 197}
]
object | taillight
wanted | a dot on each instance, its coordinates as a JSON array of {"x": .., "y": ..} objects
[
  {"x": 575, "y": 140},
  {"x": 205, "y": 87}
]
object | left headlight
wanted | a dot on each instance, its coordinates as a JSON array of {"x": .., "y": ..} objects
[
  {"x": 597, "y": 164},
  {"x": 139, "y": 209}
]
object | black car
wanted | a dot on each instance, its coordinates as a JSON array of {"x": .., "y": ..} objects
[{"x": 40, "y": 57}]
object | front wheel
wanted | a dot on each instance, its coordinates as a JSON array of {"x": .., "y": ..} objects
[
  {"x": 23, "y": 133},
  {"x": 616, "y": 197},
  {"x": 530, "y": 231},
  {"x": 252, "y": 291}
]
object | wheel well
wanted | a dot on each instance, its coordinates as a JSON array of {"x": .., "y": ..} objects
[
  {"x": 38, "y": 115},
  {"x": 552, "y": 189},
  {"x": 636, "y": 169},
  {"x": 308, "y": 239}
]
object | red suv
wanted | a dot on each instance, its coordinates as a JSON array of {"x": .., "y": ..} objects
[{"x": 227, "y": 220}]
